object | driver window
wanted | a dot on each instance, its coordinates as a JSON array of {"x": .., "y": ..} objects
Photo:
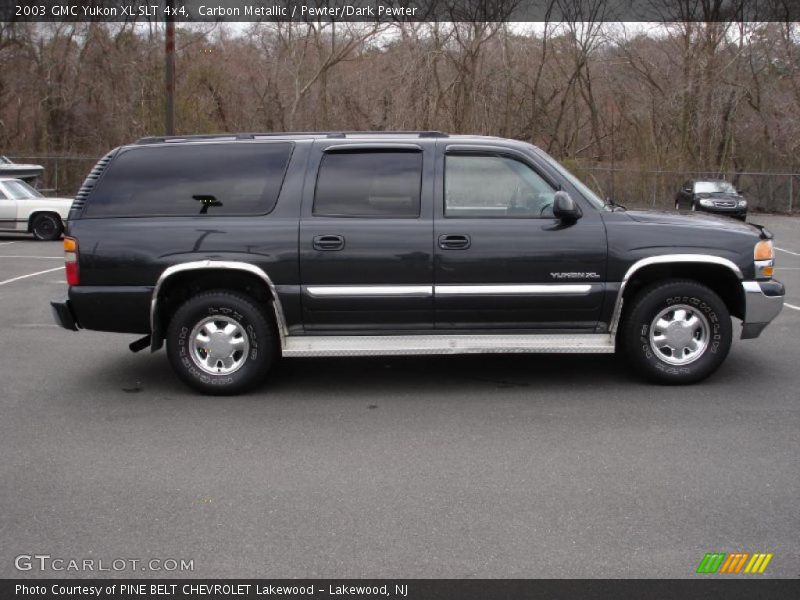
[{"x": 478, "y": 186}]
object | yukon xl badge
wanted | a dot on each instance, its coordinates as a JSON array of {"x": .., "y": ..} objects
[{"x": 575, "y": 275}]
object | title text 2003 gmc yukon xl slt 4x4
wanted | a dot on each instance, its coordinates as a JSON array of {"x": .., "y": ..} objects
[{"x": 238, "y": 249}]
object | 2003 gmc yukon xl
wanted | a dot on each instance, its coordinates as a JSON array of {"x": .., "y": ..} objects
[{"x": 237, "y": 249}]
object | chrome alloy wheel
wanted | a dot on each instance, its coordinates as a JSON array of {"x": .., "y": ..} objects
[
  {"x": 219, "y": 345},
  {"x": 679, "y": 334}
]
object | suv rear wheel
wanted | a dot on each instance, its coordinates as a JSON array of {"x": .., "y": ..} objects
[
  {"x": 676, "y": 332},
  {"x": 47, "y": 227},
  {"x": 220, "y": 342}
]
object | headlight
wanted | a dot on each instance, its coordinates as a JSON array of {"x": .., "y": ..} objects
[
  {"x": 764, "y": 259},
  {"x": 741, "y": 203},
  {"x": 705, "y": 202}
]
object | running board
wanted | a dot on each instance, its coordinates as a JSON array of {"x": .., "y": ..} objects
[{"x": 386, "y": 345}]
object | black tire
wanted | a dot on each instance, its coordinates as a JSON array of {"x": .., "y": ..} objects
[
  {"x": 47, "y": 227},
  {"x": 242, "y": 310},
  {"x": 639, "y": 317}
]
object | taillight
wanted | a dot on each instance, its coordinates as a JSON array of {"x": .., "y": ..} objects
[{"x": 71, "y": 261}]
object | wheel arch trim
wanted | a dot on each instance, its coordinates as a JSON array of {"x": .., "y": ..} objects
[
  {"x": 208, "y": 264},
  {"x": 708, "y": 259}
]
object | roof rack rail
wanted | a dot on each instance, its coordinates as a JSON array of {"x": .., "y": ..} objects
[
  {"x": 160, "y": 139},
  {"x": 168, "y": 139},
  {"x": 422, "y": 134}
]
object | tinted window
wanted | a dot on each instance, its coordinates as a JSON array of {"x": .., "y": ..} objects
[
  {"x": 494, "y": 186},
  {"x": 369, "y": 184},
  {"x": 184, "y": 179}
]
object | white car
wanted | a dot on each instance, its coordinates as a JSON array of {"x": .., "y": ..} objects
[{"x": 23, "y": 209}]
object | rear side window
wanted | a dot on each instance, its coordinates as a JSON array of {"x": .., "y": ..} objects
[
  {"x": 378, "y": 184},
  {"x": 191, "y": 179}
]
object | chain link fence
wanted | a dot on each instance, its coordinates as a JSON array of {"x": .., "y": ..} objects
[
  {"x": 633, "y": 188},
  {"x": 765, "y": 192}
]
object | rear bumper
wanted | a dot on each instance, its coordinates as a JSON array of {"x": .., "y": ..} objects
[
  {"x": 120, "y": 309},
  {"x": 63, "y": 315},
  {"x": 763, "y": 302}
]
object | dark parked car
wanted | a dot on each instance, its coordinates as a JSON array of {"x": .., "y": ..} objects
[
  {"x": 240, "y": 249},
  {"x": 711, "y": 195}
]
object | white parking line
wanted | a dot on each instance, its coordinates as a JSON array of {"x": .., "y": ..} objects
[
  {"x": 788, "y": 251},
  {"x": 791, "y": 306},
  {"x": 13, "y": 279},
  {"x": 23, "y": 256},
  {"x": 5, "y": 243}
]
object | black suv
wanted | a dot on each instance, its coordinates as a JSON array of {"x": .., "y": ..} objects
[{"x": 238, "y": 249}]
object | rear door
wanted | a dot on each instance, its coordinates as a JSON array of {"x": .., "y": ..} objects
[
  {"x": 366, "y": 237},
  {"x": 502, "y": 261}
]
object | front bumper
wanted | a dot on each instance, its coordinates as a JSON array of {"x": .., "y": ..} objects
[
  {"x": 63, "y": 315},
  {"x": 735, "y": 212},
  {"x": 763, "y": 300}
]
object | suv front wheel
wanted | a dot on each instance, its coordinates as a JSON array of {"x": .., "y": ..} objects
[
  {"x": 676, "y": 332},
  {"x": 220, "y": 343}
]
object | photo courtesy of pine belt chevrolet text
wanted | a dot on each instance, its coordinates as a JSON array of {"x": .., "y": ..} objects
[{"x": 234, "y": 250}]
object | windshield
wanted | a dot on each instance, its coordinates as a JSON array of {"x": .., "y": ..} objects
[
  {"x": 582, "y": 187},
  {"x": 713, "y": 187},
  {"x": 19, "y": 190}
]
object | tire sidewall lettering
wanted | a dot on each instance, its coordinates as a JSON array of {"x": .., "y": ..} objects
[
  {"x": 253, "y": 328},
  {"x": 650, "y": 304}
]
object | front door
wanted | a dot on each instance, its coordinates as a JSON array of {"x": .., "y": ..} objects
[
  {"x": 8, "y": 210},
  {"x": 366, "y": 237},
  {"x": 502, "y": 260}
]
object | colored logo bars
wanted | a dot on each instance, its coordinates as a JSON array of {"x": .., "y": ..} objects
[{"x": 720, "y": 562}]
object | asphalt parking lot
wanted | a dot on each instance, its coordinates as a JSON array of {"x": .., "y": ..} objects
[{"x": 473, "y": 466}]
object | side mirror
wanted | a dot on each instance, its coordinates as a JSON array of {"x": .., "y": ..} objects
[{"x": 565, "y": 208}]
